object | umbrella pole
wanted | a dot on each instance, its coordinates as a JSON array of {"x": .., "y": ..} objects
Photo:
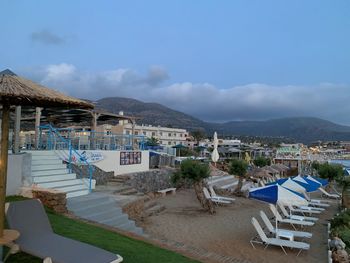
[
  {"x": 276, "y": 219},
  {"x": 3, "y": 162}
]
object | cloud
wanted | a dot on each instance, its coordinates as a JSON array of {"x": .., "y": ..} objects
[
  {"x": 247, "y": 102},
  {"x": 47, "y": 37}
]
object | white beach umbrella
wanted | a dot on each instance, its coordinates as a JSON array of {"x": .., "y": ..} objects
[
  {"x": 294, "y": 186},
  {"x": 215, "y": 153}
]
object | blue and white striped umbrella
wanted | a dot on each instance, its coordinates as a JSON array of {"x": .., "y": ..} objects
[
  {"x": 323, "y": 182},
  {"x": 275, "y": 193},
  {"x": 310, "y": 186}
]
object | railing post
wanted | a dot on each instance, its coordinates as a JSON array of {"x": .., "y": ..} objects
[
  {"x": 90, "y": 177},
  {"x": 70, "y": 155}
]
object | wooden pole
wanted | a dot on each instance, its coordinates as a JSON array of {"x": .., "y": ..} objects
[
  {"x": 16, "y": 143},
  {"x": 133, "y": 134},
  {"x": 3, "y": 162}
]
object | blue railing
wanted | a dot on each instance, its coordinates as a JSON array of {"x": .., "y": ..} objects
[{"x": 56, "y": 141}]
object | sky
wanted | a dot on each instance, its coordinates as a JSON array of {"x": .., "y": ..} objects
[{"x": 216, "y": 60}]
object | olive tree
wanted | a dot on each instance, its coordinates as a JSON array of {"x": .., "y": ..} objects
[
  {"x": 194, "y": 173},
  {"x": 239, "y": 168}
]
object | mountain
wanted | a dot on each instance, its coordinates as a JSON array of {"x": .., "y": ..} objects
[
  {"x": 301, "y": 129},
  {"x": 150, "y": 113}
]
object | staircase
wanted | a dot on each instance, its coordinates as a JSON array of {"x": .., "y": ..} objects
[
  {"x": 102, "y": 208},
  {"x": 48, "y": 171}
]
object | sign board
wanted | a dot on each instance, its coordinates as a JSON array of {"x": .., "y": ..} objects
[
  {"x": 128, "y": 158},
  {"x": 90, "y": 157}
]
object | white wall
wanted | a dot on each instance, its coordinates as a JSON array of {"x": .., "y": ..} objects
[
  {"x": 111, "y": 162},
  {"x": 18, "y": 170}
]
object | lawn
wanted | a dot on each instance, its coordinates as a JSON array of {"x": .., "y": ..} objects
[{"x": 133, "y": 251}]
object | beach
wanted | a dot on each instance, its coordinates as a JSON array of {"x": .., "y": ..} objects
[{"x": 229, "y": 231}]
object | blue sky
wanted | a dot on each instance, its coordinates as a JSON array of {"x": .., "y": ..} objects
[{"x": 242, "y": 59}]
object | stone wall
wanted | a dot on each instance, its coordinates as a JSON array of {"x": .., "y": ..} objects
[
  {"x": 99, "y": 175},
  {"x": 54, "y": 199},
  {"x": 152, "y": 180}
]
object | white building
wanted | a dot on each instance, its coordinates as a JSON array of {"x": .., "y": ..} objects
[{"x": 165, "y": 135}]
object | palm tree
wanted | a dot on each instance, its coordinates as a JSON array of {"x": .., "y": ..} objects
[{"x": 239, "y": 168}]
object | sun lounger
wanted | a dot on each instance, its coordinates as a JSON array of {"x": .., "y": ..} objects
[
  {"x": 309, "y": 210},
  {"x": 213, "y": 194},
  {"x": 216, "y": 200},
  {"x": 329, "y": 195},
  {"x": 279, "y": 218},
  {"x": 37, "y": 237},
  {"x": 276, "y": 241},
  {"x": 272, "y": 229},
  {"x": 296, "y": 217}
]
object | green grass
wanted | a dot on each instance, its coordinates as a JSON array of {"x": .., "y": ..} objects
[{"x": 130, "y": 249}]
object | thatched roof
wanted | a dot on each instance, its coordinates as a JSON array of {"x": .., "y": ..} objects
[
  {"x": 280, "y": 167},
  {"x": 15, "y": 90},
  {"x": 259, "y": 173},
  {"x": 271, "y": 169}
]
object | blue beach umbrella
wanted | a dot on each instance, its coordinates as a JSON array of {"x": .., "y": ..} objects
[
  {"x": 310, "y": 186},
  {"x": 323, "y": 182},
  {"x": 275, "y": 193}
]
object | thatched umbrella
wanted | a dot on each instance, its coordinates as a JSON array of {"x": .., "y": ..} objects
[{"x": 15, "y": 90}]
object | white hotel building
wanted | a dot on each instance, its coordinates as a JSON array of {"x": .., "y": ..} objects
[{"x": 166, "y": 136}]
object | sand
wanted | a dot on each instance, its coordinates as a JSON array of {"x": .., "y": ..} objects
[{"x": 228, "y": 232}]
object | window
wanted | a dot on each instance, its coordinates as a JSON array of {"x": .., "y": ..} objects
[
  {"x": 174, "y": 134},
  {"x": 127, "y": 132},
  {"x": 180, "y": 134},
  {"x": 136, "y": 133},
  {"x": 169, "y": 143},
  {"x": 144, "y": 133},
  {"x": 161, "y": 134},
  {"x": 153, "y": 134},
  {"x": 169, "y": 134}
]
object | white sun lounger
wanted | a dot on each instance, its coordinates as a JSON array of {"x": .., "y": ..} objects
[
  {"x": 296, "y": 217},
  {"x": 276, "y": 241},
  {"x": 213, "y": 194},
  {"x": 309, "y": 210},
  {"x": 329, "y": 195},
  {"x": 289, "y": 221},
  {"x": 216, "y": 200},
  {"x": 272, "y": 229}
]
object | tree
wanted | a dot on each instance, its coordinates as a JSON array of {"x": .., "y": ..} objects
[
  {"x": 198, "y": 135},
  {"x": 261, "y": 161},
  {"x": 152, "y": 141},
  {"x": 239, "y": 168},
  {"x": 330, "y": 171},
  {"x": 344, "y": 182},
  {"x": 195, "y": 172}
]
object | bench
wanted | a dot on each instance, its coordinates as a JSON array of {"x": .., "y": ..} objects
[{"x": 168, "y": 190}]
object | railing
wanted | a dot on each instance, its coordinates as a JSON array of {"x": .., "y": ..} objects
[
  {"x": 55, "y": 141},
  {"x": 89, "y": 140}
]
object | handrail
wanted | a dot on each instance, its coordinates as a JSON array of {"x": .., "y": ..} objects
[{"x": 71, "y": 150}]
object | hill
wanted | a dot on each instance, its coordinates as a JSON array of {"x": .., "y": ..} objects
[
  {"x": 150, "y": 113},
  {"x": 301, "y": 129}
]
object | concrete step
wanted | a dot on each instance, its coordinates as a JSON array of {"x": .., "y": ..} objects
[
  {"x": 149, "y": 204},
  {"x": 41, "y": 161},
  {"x": 110, "y": 213},
  {"x": 154, "y": 210},
  {"x": 74, "y": 194},
  {"x": 85, "y": 201},
  {"x": 52, "y": 178},
  {"x": 48, "y": 167},
  {"x": 44, "y": 157},
  {"x": 217, "y": 179},
  {"x": 115, "y": 220},
  {"x": 72, "y": 188},
  {"x": 50, "y": 172},
  {"x": 130, "y": 191},
  {"x": 230, "y": 185},
  {"x": 42, "y": 153},
  {"x": 125, "y": 189},
  {"x": 226, "y": 182},
  {"x": 62, "y": 183},
  {"x": 95, "y": 208}
]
